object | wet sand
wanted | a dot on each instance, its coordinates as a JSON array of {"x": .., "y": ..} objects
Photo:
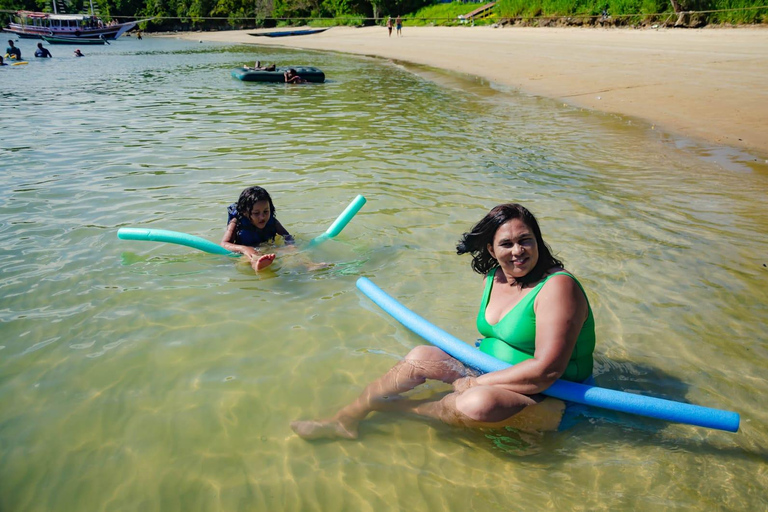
[{"x": 706, "y": 84}]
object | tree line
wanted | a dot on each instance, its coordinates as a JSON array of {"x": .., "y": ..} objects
[{"x": 237, "y": 14}]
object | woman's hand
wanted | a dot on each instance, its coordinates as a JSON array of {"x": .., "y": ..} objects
[{"x": 464, "y": 383}]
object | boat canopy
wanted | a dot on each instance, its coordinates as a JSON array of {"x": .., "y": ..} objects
[{"x": 62, "y": 17}]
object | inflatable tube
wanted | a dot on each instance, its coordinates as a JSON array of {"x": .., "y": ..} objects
[
  {"x": 341, "y": 221},
  {"x": 308, "y": 73},
  {"x": 564, "y": 390},
  {"x": 172, "y": 237}
]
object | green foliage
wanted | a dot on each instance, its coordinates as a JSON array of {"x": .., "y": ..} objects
[
  {"x": 216, "y": 14},
  {"x": 349, "y": 21},
  {"x": 746, "y": 12},
  {"x": 635, "y": 11},
  {"x": 441, "y": 14}
]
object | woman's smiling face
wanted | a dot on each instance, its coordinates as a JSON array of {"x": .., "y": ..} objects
[{"x": 514, "y": 247}]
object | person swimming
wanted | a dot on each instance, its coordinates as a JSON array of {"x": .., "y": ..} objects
[
  {"x": 292, "y": 78},
  {"x": 252, "y": 222}
]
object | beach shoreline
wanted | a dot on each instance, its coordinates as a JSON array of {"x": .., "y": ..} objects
[{"x": 709, "y": 85}]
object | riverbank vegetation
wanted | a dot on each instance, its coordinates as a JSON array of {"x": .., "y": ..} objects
[{"x": 238, "y": 14}]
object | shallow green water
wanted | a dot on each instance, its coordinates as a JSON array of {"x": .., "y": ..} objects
[{"x": 140, "y": 376}]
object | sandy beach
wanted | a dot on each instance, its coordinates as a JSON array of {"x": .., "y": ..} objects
[{"x": 706, "y": 84}]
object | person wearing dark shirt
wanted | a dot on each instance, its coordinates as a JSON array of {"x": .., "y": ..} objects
[
  {"x": 12, "y": 52},
  {"x": 42, "y": 52}
]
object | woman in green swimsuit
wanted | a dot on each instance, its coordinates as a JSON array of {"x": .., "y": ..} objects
[{"x": 533, "y": 314}]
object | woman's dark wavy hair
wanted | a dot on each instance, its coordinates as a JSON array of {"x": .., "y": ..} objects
[
  {"x": 250, "y": 197},
  {"x": 476, "y": 242}
]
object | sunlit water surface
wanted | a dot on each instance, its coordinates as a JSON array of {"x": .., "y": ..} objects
[{"x": 146, "y": 376}]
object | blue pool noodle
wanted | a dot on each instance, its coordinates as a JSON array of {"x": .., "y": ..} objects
[
  {"x": 580, "y": 393},
  {"x": 173, "y": 237},
  {"x": 341, "y": 221}
]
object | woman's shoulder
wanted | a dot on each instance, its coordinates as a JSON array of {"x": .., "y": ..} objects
[
  {"x": 559, "y": 275},
  {"x": 557, "y": 270},
  {"x": 559, "y": 281}
]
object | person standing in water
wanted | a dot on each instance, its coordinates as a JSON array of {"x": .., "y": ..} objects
[
  {"x": 42, "y": 52},
  {"x": 12, "y": 52},
  {"x": 534, "y": 315}
]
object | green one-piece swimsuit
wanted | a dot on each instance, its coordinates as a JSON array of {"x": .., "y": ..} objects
[{"x": 513, "y": 338}]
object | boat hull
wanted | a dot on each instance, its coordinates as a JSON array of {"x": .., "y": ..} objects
[
  {"x": 287, "y": 33},
  {"x": 73, "y": 40}
]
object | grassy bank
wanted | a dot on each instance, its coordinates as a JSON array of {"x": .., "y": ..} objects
[{"x": 632, "y": 12}]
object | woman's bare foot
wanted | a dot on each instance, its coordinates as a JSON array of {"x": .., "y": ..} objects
[
  {"x": 325, "y": 429},
  {"x": 262, "y": 262}
]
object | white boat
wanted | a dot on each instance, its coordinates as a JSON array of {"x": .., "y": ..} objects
[{"x": 28, "y": 24}]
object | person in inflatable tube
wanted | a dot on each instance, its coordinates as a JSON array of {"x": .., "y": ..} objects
[
  {"x": 252, "y": 222},
  {"x": 534, "y": 314}
]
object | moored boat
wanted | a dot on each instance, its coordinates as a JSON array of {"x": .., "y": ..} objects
[
  {"x": 285, "y": 33},
  {"x": 28, "y": 24},
  {"x": 308, "y": 73},
  {"x": 73, "y": 40}
]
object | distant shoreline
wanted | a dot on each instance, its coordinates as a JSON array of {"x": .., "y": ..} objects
[{"x": 709, "y": 84}]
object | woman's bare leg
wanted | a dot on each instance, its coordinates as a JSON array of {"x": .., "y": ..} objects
[
  {"x": 420, "y": 364},
  {"x": 491, "y": 407}
]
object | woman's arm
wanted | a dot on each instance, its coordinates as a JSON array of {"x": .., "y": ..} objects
[{"x": 561, "y": 309}]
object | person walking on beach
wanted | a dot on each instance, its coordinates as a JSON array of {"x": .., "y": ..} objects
[
  {"x": 399, "y": 25},
  {"x": 389, "y": 25}
]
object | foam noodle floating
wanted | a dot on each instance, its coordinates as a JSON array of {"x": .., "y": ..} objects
[
  {"x": 342, "y": 220},
  {"x": 172, "y": 237},
  {"x": 176, "y": 237},
  {"x": 580, "y": 393}
]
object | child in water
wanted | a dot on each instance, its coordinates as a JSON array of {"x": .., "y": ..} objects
[{"x": 252, "y": 222}]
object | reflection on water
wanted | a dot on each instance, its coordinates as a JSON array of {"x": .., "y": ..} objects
[{"x": 151, "y": 376}]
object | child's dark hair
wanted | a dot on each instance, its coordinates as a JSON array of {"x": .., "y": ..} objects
[
  {"x": 250, "y": 197},
  {"x": 476, "y": 242}
]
